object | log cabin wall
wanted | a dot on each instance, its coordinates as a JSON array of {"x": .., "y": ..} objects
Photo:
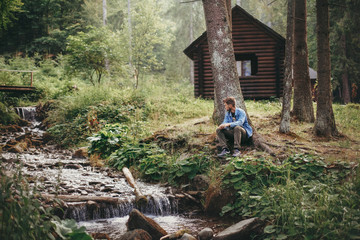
[{"x": 254, "y": 43}]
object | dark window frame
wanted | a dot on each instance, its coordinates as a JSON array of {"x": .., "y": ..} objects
[{"x": 248, "y": 56}]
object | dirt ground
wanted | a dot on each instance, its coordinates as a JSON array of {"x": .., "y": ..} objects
[{"x": 197, "y": 133}]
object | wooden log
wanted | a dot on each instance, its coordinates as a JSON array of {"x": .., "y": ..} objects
[
  {"x": 75, "y": 198},
  {"x": 139, "y": 197}
]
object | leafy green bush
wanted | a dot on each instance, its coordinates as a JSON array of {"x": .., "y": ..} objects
[
  {"x": 131, "y": 153},
  {"x": 109, "y": 139},
  {"x": 154, "y": 167},
  {"x": 302, "y": 197},
  {"x": 22, "y": 215},
  {"x": 7, "y": 116},
  {"x": 184, "y": 169},
  {"x": 68, "y": 229}
]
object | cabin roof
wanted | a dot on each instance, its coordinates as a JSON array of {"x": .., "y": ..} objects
[{"x": 237, "y": 10}]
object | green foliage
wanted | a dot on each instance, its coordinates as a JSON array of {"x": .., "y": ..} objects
[
  {"x": 154, "y": 167},
  {"x": 23, "y": 216},
  {"x": 80, "y": 115},
  {"x": 108, "y": 139},
  {"x": 131, "y": 153},
  {"x": 344, "y": 44},
  {"x": 155, "y": 164},
  {"x": 151, "y": 37},
  {"x": 184, "y": 169},
  {"x": 302, "y": 197},
  {"x": 89, "y": 51},
  {"x": 347, "y": 119},
  {"x": 68, "y": 229},
  {"x": 7, "y": 10},
  {"x": 42, "y": 26},
  {"x": 7, "y": 115}
]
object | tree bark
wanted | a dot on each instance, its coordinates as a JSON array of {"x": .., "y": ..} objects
[
  {"x": 229, "y": 13},
  {"x": 303, "y": 108},
  {"x": 325, "y": 120},
  {"x": 225, "y": 76},
  {"x": 287, "y": 92},
  {"x": 223, "y": 64},
  {"x": 345, "y": 75}
]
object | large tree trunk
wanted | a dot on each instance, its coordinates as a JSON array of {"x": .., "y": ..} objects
[
  {"x": 325, "y": 121},
  {"x": 226, "y": 80},
  {"x": 223, "y": 64},
  {"x": 303, "y": 108},
  {"x": 345, "y": 76},
  {"x": 287, "y": 92}
]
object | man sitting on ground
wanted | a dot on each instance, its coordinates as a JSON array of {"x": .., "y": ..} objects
[{"x": 234, "y": 127}]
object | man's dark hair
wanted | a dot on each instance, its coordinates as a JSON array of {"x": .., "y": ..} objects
[{"x": 229, "y": 100}]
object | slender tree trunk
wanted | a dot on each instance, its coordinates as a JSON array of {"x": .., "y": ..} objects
[
  {"x": 325, "y": 120},
  {"x": 104, "y": 7},
  {"x": 223, "y": 64},
  {"x": 130, "y": 32},
  {"x": 226, "y": 80},
  {"x": 287, "y": 92},
  {"x": 345, "y": 75},
  {"x": 303, "y": 108},
  {"x": 192, "y": 74}
]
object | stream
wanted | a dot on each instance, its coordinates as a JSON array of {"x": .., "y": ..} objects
[{"x": 58, "y": 171}]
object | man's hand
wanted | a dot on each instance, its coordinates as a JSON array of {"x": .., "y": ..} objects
[{"x": 224, "y": 125}]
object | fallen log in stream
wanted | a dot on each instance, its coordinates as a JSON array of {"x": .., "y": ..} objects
[
  {"x": 74, "y": 198},
  {"x": 140, "y": 199}
]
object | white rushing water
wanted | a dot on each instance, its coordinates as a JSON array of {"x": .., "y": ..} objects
[{"x": 57, "y": 171}]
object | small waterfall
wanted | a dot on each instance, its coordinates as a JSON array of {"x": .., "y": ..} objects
[
  {"x": 27, "y": 113},
  {"x": 157, "y": 205}
]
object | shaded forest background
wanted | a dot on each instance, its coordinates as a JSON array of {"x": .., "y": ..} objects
[{"x": 54, "y": 29}]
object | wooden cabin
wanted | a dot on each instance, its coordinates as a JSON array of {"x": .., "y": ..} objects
[{"x": 259, "y": 54}]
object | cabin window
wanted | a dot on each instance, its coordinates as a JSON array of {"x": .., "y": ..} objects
[{"x": 246, "y": 64}]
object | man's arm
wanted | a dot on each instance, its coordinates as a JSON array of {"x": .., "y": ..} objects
[{"x": 240, "y": 119}]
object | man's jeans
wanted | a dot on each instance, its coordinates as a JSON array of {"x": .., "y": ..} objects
[{"x": 238, "y": 134}]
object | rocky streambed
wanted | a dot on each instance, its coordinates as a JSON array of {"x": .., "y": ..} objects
[{"x": 98, "y": 198}]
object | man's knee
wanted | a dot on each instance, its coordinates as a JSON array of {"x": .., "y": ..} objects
[
  {"x": 238, "y": 129},
  {"x": 218, "y": 130}
]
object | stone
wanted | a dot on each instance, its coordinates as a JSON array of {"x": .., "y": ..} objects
[
  {"x": 92, "y": 205},
  {"x": 100, "y": 236},
  {"x": 206, "y": 234},
  {"x": 137, "y": 234},
  {"x": 201, "y": 182},
  {"x": 18, "y": 147},
  {"x": 137, "y": 220},
  {"x": 80, "y": 153},
  {"x": 72, "y": 166},
  {"x": 187, "y": 236},
  {"x": 241, "y": 230},
  {"x": 46, "y": 137},
  {"x": 215, "y": 199}
]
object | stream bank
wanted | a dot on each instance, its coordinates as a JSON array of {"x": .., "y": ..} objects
[{"x": 101, "y": 197}]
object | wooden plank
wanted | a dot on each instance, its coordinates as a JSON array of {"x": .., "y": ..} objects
[{"x": 4, "y": 88}]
